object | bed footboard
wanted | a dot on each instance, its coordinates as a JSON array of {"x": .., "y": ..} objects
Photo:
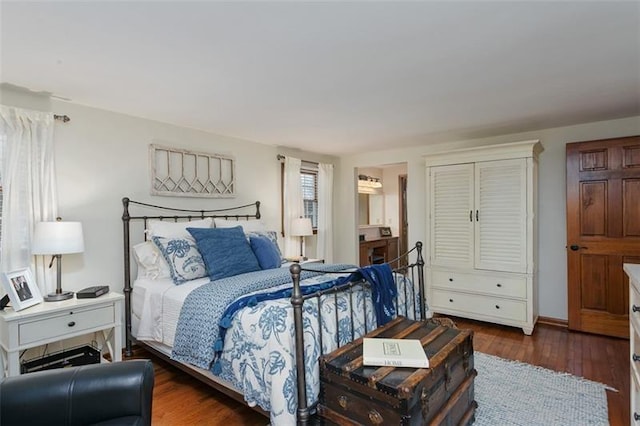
[{"x": 413, "y": 273}]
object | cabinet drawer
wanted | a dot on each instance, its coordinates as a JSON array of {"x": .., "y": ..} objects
[
  {"x": 635, "y": 399},
  {"x": 484, "y": 305},
  {"x": 65, "y": 323},
  {"x": 634, "y": 299},
  {"x": 477, "y": 283}
]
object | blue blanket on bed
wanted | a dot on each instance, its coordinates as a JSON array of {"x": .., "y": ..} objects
[
  {"x": 383, "y": 290},
  {"x": 197, "y": 329}
]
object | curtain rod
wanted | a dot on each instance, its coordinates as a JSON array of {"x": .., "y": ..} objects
[
  {"x": 63, "y": 118},
  {"x": 281, "y": 157}
]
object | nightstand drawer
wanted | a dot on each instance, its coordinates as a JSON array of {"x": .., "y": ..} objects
[{"x": 68, "y": 322}]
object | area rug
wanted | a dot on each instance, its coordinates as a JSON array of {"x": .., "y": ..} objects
[{"x": 515, "y": 393}]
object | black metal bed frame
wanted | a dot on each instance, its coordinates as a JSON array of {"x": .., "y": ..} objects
[{"x": 413, "y": 271}]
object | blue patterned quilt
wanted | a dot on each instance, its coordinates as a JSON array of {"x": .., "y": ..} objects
[{"x": 258, "y": 355}]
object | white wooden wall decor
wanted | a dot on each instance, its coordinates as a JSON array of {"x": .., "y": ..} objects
[{"x": 181, "y": 173}]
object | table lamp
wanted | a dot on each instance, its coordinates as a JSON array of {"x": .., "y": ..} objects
[
  {"x": 301, "y": 227},
  {"x": 58, "y": 238}
]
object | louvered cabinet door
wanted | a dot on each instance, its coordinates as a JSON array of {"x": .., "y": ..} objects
[
  {"x": 500, "y": 215},
  {"x": 451, "y": 209}
]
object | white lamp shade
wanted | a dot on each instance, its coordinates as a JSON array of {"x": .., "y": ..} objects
[
  {"x": 301, "y": 227},
  {"x": 57, "y": 238}
]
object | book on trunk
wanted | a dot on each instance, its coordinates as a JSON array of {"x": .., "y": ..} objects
[{"x": 394, "y": 353}]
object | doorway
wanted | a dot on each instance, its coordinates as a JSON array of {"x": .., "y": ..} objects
[
  {"x": 382, "y": 205},
  {"x": 603, "y": 232}
]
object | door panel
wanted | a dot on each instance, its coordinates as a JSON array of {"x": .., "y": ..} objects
[
  {"x": 501, "y": 209},
  {"x": 593, "y": 199},
  {"x": 451, "y": 221},
  {"x": 631, "y": 214},
  {"x": 603, "y": 232}
]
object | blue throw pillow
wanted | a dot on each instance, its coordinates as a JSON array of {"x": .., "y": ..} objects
[
  {"x": 271, "y": 235},
  {"x": 225, "y": 251},
  {"x": 267, "y": 253}
]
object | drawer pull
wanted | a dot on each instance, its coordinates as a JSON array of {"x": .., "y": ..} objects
[
  {"x": 636, "y": 416},
  {"x": 498, "y": 285},
  {"x": 342, "y": 401},
  {"x": 635, "y": 358},
  {"x": 497, "y": 306},
  {"x": 375, "y": 417},
  {"x": 71, "y": 324},
  {"x": 450, "y": 279},
  {"x": 635, "y": 308},
  {"x": 451, "y": 300}
]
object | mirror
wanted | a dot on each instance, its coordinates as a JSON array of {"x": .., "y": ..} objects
[{"x": 370, "y": 209}]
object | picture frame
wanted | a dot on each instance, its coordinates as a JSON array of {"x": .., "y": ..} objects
[
  {"x": 21, "y": 288},
  {"x": 385, "y": 231}
]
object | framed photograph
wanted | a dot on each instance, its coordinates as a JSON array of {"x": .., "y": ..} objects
[
  {"x": 21, "y": 288},
  {"x": 385, "y": 231}
]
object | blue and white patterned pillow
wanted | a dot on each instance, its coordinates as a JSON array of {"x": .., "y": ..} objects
[{"x": 183, "y": 257}]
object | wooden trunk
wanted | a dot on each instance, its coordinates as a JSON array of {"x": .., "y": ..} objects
[{"x": 352, "y": 394}]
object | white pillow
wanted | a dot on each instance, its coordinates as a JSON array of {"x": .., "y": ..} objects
[
  {"x": 253, "y": 225},
  {"x": 166, "y": 229},
  {"x": 150, "y": 262}
]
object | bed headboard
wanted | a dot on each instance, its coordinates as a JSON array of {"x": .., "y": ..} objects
[{"x": 145, "y": 212}]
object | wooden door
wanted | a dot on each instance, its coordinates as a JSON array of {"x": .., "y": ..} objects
[
  {"x": 404, "y": 224},
  {"x": 603, "y": 232}
]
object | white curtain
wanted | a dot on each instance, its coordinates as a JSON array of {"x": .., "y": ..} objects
[
  {"x": 293, "y": 207},
  {"x": 28, "y": 188},
  {"x": 325, "y": 213}
]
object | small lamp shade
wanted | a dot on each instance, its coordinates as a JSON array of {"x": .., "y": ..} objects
[
  {"x": 57, "y": 238},
  {"x": 301, "y": 227}
]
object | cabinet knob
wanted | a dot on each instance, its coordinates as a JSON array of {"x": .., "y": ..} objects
[
  {"x": 71, "y": 324},
  {"x": 635, "y": 308},
  {"x": 450, "y": 279},
  {"x": 451, "y": 300},
  {"x": 635, "y": 358},
  {"x": 498, "y": 285},
  {"x": 497, "y": 306},
  {"x": 636, "y": 416}
]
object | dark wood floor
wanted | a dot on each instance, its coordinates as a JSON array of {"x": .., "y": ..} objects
[{"x": 179, "y": 399}]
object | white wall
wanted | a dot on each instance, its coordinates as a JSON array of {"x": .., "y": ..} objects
[
  {"x": 102, "y": 156},
  {"x": 551, "y": 209}
]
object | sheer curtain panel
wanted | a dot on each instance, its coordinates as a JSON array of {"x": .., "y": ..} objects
[
  {"x": 293, "y": 207},
  {"x": 29, "y": 189},
  {"x": 325, "y": 212}
]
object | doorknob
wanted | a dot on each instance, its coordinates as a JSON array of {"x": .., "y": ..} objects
[{"x": 575, "y": 247}]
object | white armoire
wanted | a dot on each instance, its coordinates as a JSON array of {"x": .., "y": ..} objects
[{"x": 481, "y": 225}]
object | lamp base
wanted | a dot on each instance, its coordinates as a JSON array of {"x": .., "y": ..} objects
[{"x": 56, "y": 297}]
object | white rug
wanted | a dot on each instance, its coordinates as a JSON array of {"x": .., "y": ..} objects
[{"x": 515, "y": 393}]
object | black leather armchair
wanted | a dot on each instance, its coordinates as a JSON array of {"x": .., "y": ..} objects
[{"x": 101, "y": 394}]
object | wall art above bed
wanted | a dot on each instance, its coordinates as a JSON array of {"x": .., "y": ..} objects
[{"x": 181, "y": 173}]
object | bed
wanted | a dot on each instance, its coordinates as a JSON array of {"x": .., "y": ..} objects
[{"x": 256, "y": 335}]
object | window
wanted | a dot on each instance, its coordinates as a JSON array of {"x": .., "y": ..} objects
[{"x": 309, "y": 183}]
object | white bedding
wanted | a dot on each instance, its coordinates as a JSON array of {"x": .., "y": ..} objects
[{"x": 156, "y": 306}]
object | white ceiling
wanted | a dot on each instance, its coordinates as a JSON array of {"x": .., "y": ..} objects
[{"x": 333, "y": 77}]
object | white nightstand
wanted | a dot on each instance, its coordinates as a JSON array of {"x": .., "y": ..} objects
[{"x": 54, "y": 321}]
